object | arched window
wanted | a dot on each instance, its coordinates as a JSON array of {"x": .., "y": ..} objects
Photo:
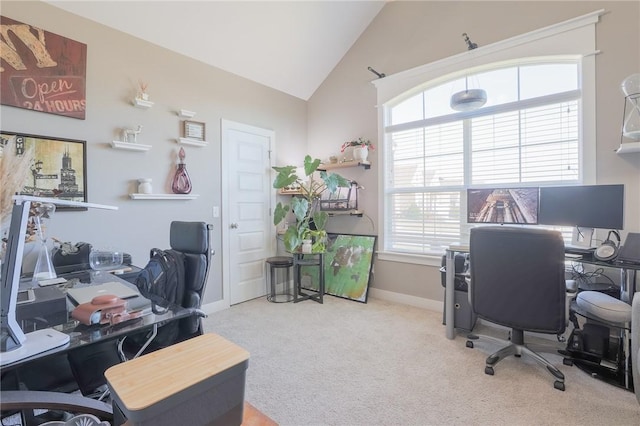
[{"x": 534, "y": 130}]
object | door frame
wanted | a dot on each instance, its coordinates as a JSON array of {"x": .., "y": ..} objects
[{"x": 225, "y": 126}]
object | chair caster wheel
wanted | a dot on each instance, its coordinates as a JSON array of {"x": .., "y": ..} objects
[
  {"x": 558, "y": 385},
  {"x": 567, "y": 361},
  {"x": 517, "y": 355},
  {"x": 469, "y": 344},
  {"x": 488, "y": 370}
]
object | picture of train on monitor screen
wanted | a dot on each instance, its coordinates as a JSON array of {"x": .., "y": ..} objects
[{"x": 503, "y": 205}]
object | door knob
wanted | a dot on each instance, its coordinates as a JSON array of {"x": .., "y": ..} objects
[{"x": 234, "y": 226}]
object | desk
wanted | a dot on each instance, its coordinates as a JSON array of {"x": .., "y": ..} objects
[
  {"x": 627, "y": 280},
  {"x": 81, "y": 335}
]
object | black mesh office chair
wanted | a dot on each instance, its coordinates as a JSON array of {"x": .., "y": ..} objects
[{"x": 517, "y": 281}]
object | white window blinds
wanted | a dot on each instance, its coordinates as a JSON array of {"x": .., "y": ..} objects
[{"x": 432, "y": 161}]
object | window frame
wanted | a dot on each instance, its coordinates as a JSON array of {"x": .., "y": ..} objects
[{"x": 572, "y": 40}]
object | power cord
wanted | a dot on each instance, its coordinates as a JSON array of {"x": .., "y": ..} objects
[{"x": 581, "y": 277}]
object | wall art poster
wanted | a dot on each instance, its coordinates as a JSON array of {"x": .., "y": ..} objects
[
  {"x": 42, "y": 71},
  {"x": 347, "y": 267},
  {"x": 58, "y": 168}
]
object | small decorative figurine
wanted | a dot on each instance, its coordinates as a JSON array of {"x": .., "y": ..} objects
[
  {"x": 181, "y": 182},
  {"x": 130, "y": 135}
]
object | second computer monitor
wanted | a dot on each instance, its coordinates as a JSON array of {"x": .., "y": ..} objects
[{"x": 588, "y": 206}]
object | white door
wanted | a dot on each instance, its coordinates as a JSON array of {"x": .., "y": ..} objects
[{"x": 248, "y": 196}]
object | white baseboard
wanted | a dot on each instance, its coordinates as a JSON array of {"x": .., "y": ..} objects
[
  {"x": 212, "y": 307},
  {"x": 405, "y": 299}
]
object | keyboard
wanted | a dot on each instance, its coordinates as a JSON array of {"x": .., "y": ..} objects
[{"x": 578, "y": 249}]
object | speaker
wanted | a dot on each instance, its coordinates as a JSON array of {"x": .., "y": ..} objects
[{"x": 608, "y": 250}]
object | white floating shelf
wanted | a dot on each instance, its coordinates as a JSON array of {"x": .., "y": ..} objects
[
  {"x": 130, "y": 146},
  {"x": 139, "y": 103},
  {"x": 628, "y": 147},
  {"x": 194, "y": 142},
  {"x": 164, "y": 196},
  {"x": 185, "y": 113}
]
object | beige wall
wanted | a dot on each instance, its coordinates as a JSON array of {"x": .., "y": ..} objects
[
  {"x": 404, "y": 35},
  {"x": 408, "y": 34},
  {"x": 116, "y": 62}
]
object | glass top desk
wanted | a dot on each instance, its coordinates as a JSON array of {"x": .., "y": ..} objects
[
  {"x": 82, "y": 335},
  {"x": 627, "y": 280}
]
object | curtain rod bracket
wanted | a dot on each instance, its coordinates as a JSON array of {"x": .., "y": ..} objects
[
  {"x": 470, "y": 45},
  {"x": 380, "y": 75}
]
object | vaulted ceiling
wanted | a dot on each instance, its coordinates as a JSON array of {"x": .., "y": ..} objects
[{"x": 290, "y": 46}]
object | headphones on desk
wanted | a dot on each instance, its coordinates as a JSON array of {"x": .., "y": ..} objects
[{"x": 608, "y": 250}]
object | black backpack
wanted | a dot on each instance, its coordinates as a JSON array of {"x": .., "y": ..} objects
[{"x": 163, "y": 282}]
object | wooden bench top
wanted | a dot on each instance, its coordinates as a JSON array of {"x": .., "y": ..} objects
[{"x": 144, "y": 381}]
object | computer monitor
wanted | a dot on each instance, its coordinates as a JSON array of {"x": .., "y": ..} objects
[
  {"x": 503, "y": 205},
  {"x": 588, "y": 206},
  {"x": 14, "y": 343}
]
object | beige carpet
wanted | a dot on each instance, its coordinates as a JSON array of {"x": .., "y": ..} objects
[{"x": 380, "y": 363}]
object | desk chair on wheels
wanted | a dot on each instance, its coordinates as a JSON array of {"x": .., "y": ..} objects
[
  {"x": 517, "y": 281},
  {"x": 193, "y": 240}
]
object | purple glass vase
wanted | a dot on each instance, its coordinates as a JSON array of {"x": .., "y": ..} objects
[{"x": 181, "y": 182}]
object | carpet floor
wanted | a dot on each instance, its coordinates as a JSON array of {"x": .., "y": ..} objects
[{"x": 382, "y": 363}]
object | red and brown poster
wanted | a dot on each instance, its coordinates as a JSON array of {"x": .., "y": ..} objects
[{"x": 41, "y": 71}]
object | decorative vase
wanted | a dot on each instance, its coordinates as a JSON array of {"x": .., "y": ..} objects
[
  {"x": 360, "y": 154},
  {"x": 306, "y": 246},
  {"x": 144, "y": 186},
  {"x": 181, "y": 182}
]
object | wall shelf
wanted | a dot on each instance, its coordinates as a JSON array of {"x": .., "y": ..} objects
[
  {"x": 192, "y": 142},
  {"x": 330, "y": 166},
  {"x": 185, "y": 113},
  {"x": 358, "y": 213},
  {"x": 628, "y": 147},
  {"x": 163, "y": 196},
  {"x": 139, "y": 103},
  {"x": 130, "y": 146}
]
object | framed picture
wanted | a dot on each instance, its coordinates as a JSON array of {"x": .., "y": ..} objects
[
  {"x": 194, "y": 130},
  {"x": 42, "y": 71},
  {"x": 58, "y": 166},
  {"x": 347, "y": 267}
]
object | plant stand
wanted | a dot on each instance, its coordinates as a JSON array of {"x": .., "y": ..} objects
[{"x": 307, "y": 259}]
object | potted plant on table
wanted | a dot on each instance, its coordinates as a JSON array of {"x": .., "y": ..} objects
[{"x": 310, "y": 220}]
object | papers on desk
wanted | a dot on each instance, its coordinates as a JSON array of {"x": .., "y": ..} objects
[{"x": 51, "y": 281}]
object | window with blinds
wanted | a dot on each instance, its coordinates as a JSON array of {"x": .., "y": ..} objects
[{"x": 526, "y": 135}]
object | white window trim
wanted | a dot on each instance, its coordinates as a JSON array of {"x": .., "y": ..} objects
[{"x": 574, "y": 38}]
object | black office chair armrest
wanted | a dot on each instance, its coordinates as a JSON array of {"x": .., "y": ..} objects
[{"x": 32, "y": 400}]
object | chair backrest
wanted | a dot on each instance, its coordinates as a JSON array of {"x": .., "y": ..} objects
[
  {"x": 635, "y": 343},
  {"x": 517, "y": 277},
  {"x": 193, "y": 239}
]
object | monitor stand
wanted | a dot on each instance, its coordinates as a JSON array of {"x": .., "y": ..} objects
[{"x": 35, "y": 343}]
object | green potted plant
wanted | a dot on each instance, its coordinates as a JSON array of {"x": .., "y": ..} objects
[{"x": 310, "y": 220}]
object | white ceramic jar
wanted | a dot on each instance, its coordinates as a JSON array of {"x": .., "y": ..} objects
[
  {"x": 306, "y": 246},
  {"x": 144, "y": 186}
]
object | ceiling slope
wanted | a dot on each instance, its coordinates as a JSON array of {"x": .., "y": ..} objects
[{"x": 290, "y": 46}]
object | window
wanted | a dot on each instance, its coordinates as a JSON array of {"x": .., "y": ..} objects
[
  {"x": 527, "y": 134},
  {"x": 536, "y": 129}
]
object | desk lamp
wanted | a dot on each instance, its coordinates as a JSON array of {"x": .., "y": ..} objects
[{"x": 14, "y": 344}]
